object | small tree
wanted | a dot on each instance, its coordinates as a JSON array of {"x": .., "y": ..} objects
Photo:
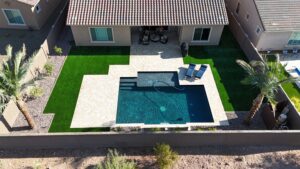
[
  {"x": 263, "y": 75},
  {"x": 115, "y": 161},
  {"x": 165, "y": 156},
  {"x": 11, "y": 81},
  {"x": 58, "y": 50}
]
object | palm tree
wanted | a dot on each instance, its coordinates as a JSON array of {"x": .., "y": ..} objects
[
  {"x": 11, "y": 84},
  {"x": 265, "y": 76}
]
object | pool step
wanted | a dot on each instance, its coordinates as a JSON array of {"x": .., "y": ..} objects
[
  {"x": 128, "y": 79},
  {"x": 126, "y": 88},
  {"x": 128, "y": 84}
]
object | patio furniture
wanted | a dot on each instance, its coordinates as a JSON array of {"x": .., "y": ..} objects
[
  {"x": 154, "y": 37},
  {"x": 297, "y": 70},
  {"x": 201, "y": 71},
  {"x": 190, "y": 71},
  {"x": 295, "y": 51},
  {"x": 285, "y": 53},
  {"x": 164, "y": 39},
  {"x": 146, "y": 39}
]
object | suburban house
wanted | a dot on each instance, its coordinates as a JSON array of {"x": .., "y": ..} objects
[
  {"x": 269, "y": 24},
  {"x": 116, "y": 22},
  {"x": 26, "y": 14}
]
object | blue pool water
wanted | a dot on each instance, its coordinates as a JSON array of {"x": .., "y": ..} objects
[{"x": 161, "y": 102}]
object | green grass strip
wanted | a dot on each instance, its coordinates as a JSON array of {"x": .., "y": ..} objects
[
  {"x": 227, "y": 74},
  {"x": 81, "y": 61}
]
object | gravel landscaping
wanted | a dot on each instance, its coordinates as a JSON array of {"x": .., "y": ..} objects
[
  {"x": 36, "y": 106},
  {"x": 191, "y": 158}
]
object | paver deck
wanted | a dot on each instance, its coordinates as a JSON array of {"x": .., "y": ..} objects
[{"x": 98, "y": 98}]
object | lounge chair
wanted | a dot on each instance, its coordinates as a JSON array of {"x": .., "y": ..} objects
[
  {"x": 190, "y": 71},
  {"x": 295, "y": 51},
  {"x": 285, "y": 53},
  {"x": 201, "y": 71},
  {"x": 297, "y": 70}
]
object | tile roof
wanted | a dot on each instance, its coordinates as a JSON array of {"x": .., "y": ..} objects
[
  {"x": 279, "y": 15},
  {"x": 147, "y": 12}
]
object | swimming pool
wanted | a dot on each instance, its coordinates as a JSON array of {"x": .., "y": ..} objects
[{"x": 156, "y": 98}]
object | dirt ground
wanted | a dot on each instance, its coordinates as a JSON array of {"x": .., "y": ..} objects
[{"x": 191, "y": 158}]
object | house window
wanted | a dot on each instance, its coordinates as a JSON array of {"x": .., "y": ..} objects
[
  {"x": 258, "y": 30},
  {"x": 14, "y": 17},
  {"x": 294, "y": 39},
  {"x": 38, "y": 8},
  {"x": 237, "y": 10},
  {"x": 101, "y": 34},
  {"x": 201, "y": 34}
]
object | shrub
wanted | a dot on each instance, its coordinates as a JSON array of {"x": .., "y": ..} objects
[
  {"x": 36, "y": 92},
  {"x": 115, "y": 161},
  {"x": 49, "y": 67},
  {"x": 296, "y": 102},
  {"x": 58, "y": 50},
  {"x": 165, "y": 156}
]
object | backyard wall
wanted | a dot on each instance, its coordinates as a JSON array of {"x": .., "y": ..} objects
[
  {"x": 186, "y": 139},
  {"x": 121, "y": 36},
  {"x": 25, "y": 10},
  {"x": 274, "y": 41},
  {"x": 187, "y": 33},
  {"x": 252, "y": 54},
  {"x": 247, "y": 7}
]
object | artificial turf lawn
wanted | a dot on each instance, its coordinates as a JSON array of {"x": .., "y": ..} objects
[
  {"x": 291, "y": 90},
  {"x": 227, "y": 73},
  {"x": 81, "y": 61}
]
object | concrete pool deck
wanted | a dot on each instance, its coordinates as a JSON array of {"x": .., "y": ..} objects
[{"x": 98, "y": 98}]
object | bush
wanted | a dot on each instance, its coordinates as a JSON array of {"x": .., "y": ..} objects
[
  {"x": 49, "y": 67},
  {"x": 115, "y": 161},
  {"x": 296, "y": 102},
  {"x": 36, "y": 92},
  {"x": 165, "y": 156},
  {"x": 58, "y": 50}
]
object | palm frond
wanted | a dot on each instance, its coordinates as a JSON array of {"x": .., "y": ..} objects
[
  {"x": 4, "y": 99},
  {"x": 288, "y": 80},
  {"x": 14, "y": 70},
  {"x": 245, "y": 66}
]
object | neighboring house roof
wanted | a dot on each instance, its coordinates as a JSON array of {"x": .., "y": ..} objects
[
  {"x": 279, "y": 15},
  {"x": 29, "y": 2},
  {"x": 147, "y": 12}
]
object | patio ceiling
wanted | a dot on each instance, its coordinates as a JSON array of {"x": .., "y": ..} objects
[{"x": 146, "y": 12}]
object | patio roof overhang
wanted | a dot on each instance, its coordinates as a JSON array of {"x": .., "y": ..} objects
[{"x": 146, "y": 12}]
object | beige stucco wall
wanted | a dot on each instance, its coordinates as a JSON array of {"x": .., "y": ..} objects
[
  {"x": 249, "y": 25},
  {"x": 31, "y": 17},
  {"x": 121, "y": 36},
  {"x": 186, "y": 34},
  {"x": 47, "y": 10},
  {"x": 274, "y": 41},
  {"x": 25, "y": 11}
]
